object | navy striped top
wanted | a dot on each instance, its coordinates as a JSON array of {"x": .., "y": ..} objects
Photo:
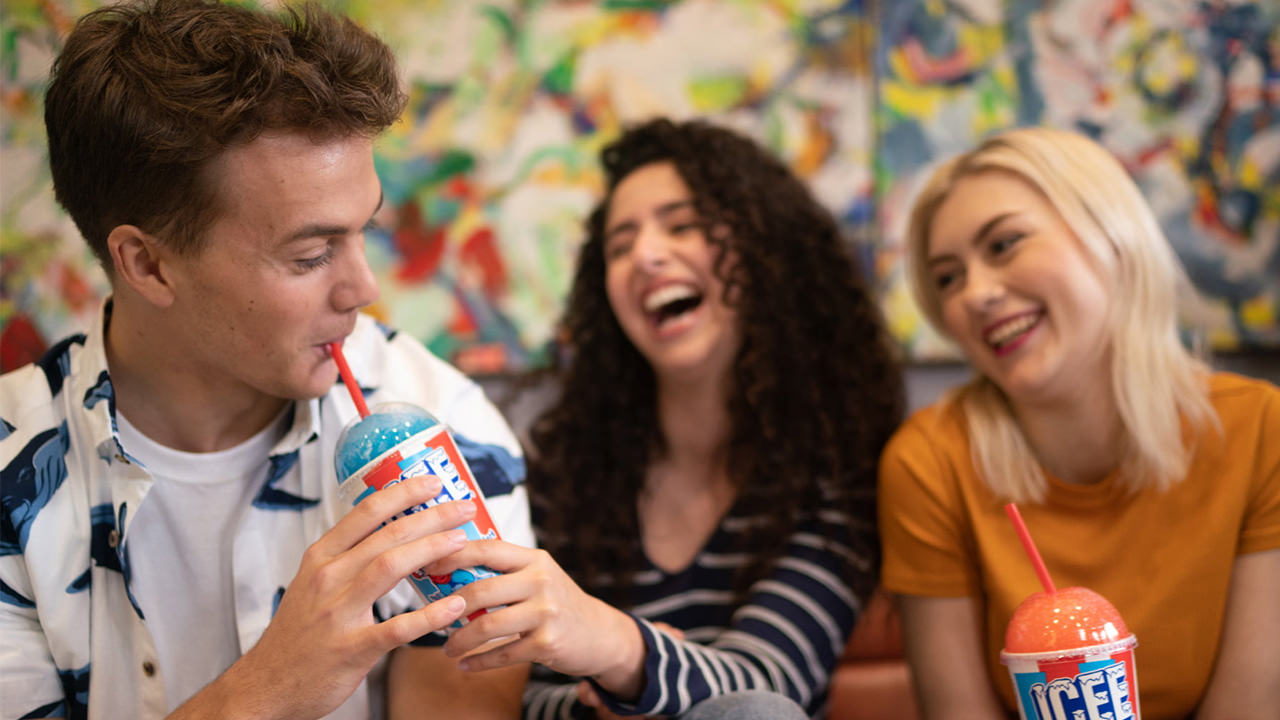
[{"x": 787, "y": 636}]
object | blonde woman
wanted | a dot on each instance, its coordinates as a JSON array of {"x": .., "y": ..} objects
[{"x": 1141, "y": 474}]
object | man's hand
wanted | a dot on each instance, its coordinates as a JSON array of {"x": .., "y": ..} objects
[{"x": 323, "y": 639}]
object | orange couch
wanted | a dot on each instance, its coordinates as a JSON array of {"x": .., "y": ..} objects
[{"x": 872, "y": 681}]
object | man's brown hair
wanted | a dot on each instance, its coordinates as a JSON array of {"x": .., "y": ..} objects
[{"x": 144, "y": 96}]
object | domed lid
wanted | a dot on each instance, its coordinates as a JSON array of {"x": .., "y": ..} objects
[
  {"x": 1070, "y": 618},
  {"x": 364, "y": 439}
]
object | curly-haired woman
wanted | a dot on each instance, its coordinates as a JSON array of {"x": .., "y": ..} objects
[{"x": 710, "y": 465}]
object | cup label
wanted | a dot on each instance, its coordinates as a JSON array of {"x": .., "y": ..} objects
[
  {"x": 1078, "y": 688},
  {"x": 430, "y": 452}
]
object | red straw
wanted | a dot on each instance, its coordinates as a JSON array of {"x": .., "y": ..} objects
[
  {"x": 1012, "y": 511},
  {"x": 348, "y": 379}
]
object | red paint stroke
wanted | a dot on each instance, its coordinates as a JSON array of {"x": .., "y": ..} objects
[
  {"x": 458, "y": 188},
  {"x": 1121, "y": 10},
  {"x": 74, "y": 289},
  {"x": 485, "y": 359},
  {"x": 422, "y": 247},
  {"x": 1209, "y": 212},
  {"x": 463, "y": 323},
  {"x": 20, "y": 343},
  {"x": 481, "y": 251},
  {"x": 930, "y": 69}
]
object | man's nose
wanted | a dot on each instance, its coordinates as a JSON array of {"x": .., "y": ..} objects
[{"x": 357, "y": 287}]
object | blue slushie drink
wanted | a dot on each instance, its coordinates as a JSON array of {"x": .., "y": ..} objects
[{"x": 397, "y": 441}]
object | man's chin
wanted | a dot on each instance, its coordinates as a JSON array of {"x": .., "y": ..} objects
[{"x": 316, "y": 386}]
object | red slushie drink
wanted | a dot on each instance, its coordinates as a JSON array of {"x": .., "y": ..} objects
[{"x": 1070, "y": 656}]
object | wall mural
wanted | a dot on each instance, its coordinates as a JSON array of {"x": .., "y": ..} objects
[
  {"x": 491, "y": 171},
  {"x": 1186, "y": 94}
]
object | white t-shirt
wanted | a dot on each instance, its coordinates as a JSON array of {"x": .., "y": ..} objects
[{"x": 182, "y": 554}]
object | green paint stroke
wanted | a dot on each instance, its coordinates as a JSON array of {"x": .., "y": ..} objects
[
  {"x": 559, "y": 77},
  {"x": 502, "y": 20},
  {"x": 632, "y": 5},
  {"x": 710, "y": 94},
  {"x": 454, "y": 162}
]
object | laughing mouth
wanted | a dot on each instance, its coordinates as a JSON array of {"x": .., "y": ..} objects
[
  {"x": 1007, "y": 334},
  {"x": 671, "y": 302}
]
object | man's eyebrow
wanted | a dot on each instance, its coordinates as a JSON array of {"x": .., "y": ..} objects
[
  {"x": 983, "y": 231},
  {"x": 312, "y": 230}
]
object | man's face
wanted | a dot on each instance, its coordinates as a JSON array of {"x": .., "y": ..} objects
[{"x": 283, "y": 270}]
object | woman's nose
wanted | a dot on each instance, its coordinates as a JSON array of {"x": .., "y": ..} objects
[
  {"x": 983, "y": 287},
  {"x": 652, "y": 247}
]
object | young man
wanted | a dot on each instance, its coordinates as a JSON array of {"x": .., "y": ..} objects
[{"x": 171, "y": 540}]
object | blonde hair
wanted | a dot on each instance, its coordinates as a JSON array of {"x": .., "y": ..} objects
[{"x": 1155, "y": 381}]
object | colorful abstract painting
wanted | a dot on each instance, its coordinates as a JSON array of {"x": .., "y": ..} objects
[
  {"x": 1186, "y": 94},
  {"x": 493, "y": 169}
]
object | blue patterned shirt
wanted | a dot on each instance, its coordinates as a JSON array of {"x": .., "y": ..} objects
[{"x": 73, "y": 640}]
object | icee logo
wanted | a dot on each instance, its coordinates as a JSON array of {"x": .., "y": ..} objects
[{"x": 1101, "y": 694}]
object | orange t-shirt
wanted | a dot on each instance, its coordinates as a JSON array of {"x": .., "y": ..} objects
[{"x": 1163, "y": 559}]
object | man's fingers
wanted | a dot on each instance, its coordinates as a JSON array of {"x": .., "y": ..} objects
[
  {"x": 383, "y": 571},
  {"x": 496, "y": 555},
  {"x": 520, "y": 651},
  {"x": 511, "y": 620},
  {"x": 377, "y": 508},
  {"x": 407, "y": 627},
  {"x": 408, "y": 529},
  {"x": 507, "y": 589}
]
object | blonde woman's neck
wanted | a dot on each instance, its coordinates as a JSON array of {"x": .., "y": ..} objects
[{"x": 1078, "y": 439}]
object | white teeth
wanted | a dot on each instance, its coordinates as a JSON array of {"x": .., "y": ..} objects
[
  {"x": 1012, "y": 329},
  {"x": 667, "y": 294}
]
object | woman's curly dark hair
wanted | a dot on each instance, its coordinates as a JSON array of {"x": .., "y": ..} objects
[{"x": 815, "y": 392}]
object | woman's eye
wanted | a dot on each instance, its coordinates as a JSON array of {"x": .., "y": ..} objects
[
  {"x": 616, "y": 249},
  {"x": 1004, "y": 242},
  {"x": 944, "y": 280}
]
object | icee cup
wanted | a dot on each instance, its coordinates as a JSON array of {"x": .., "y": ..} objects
[
  {"x": 1070, "y": 657},
  {"x": 398, "y": 441}
]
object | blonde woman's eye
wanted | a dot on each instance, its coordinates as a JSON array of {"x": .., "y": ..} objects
[{"x": 1003, "y": 243}]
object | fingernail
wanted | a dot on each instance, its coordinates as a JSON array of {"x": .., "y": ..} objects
[
  {"x": 457, "y": 538},
  {"x": 464, "y": 664},
  {"x": 455, "y": 604},
  {"x": 467, "y": 508}
]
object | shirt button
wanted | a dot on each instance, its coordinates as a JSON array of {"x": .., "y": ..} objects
[
  {"x": 113, "y": 539},
  {"x": 149, "y": 668},
  {"x": 122, "y": 458}
]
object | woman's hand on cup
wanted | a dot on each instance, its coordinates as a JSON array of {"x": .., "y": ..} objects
[{"x": 555, "y": 622}]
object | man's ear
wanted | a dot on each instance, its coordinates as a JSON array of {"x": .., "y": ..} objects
[{"x": 142, "y": 263}]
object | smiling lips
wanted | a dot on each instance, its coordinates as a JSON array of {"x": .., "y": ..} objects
[
  {"x": 669, "y": 302},
  {"x": 1009, "y": 334}
]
